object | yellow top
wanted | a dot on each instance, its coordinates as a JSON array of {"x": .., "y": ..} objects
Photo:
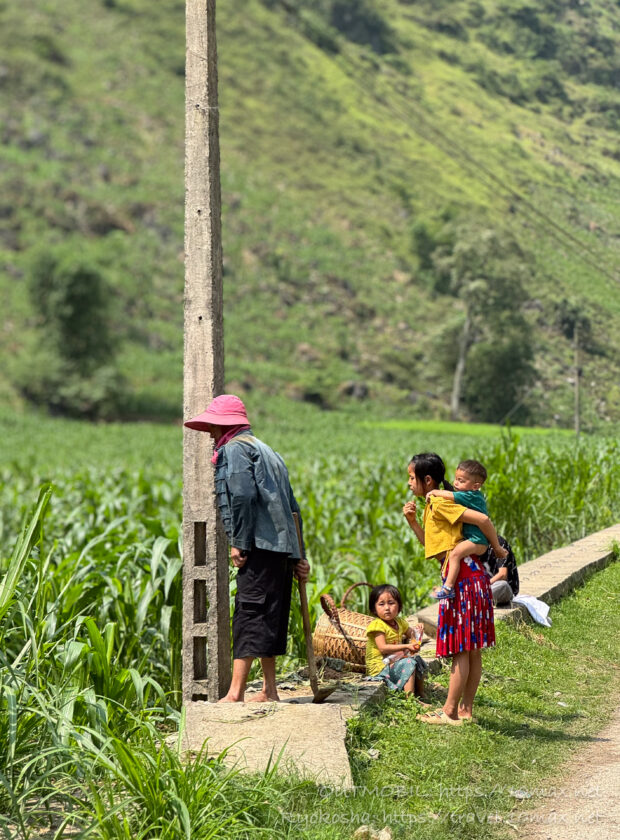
[
  {"x": 442, "y": 525},
  {"x": 374, "y": 658}
]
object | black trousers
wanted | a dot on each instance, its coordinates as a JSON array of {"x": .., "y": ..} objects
[{"x": 262, "y": 605}]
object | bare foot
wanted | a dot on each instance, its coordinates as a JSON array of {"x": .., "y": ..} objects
[
  {"x": 229, "y": 698},
  {"x": 410, "y": 696},
  {"x": 263, "y": 697},
  {"x": 456, "y": 716},
  {"x": 465, "y": 714}
]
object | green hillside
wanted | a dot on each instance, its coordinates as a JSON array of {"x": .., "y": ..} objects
[{"x": 386, "y": 167}]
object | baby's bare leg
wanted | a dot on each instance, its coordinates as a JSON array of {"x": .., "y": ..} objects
[{"x": 459, "y": 553}]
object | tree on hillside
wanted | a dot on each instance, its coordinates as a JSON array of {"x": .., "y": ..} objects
[
  {"x": 70, "y": 365},
  {"x": 573, "y": 321},
  {"x": 72, "y": 299},
  {"x": 359, "y": 21},
  {"x": 484, "y": 270},
  {"x": 498, "y": 379}
]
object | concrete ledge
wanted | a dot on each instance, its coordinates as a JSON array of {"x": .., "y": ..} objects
[
  {"x": 307, "y": 739},
  {"x": 550, "y": 576}
]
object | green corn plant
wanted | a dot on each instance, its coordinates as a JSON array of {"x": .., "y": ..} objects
[{"x": 29, "y": 538}]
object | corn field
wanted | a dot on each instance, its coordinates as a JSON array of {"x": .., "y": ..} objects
[{"x": 90, "y": 618}]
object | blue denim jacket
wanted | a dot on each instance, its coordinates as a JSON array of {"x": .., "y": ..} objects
[{"x": 254, "y": 496}]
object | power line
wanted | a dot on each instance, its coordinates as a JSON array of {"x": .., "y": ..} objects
[
  {"x": 448, "y": 146},
  {"x": 496, "y": 180}
]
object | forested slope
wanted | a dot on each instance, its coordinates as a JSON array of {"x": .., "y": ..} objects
[{"x": 400, "y": 180}]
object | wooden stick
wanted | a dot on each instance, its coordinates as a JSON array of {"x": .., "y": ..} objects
[{"x": 305, "y": 616}]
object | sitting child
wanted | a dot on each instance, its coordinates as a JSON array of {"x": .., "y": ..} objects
[
  {"x": 390, "y": 645},
  {"x": 468, "y": 479},
  {"x": 504, "y": 576}
]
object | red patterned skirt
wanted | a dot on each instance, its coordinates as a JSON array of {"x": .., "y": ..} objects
[{"x": 466, "y": 621}]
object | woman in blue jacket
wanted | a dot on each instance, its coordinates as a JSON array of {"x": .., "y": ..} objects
[{"x": 256, "y": 504}]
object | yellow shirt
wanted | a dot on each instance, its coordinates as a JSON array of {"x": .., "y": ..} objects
[
  {"x": 374, "y": 658},
  {"x": 442, "y": 524}
]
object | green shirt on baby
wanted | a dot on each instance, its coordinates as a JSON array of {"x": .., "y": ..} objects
[{"x": 474, "y": 500}]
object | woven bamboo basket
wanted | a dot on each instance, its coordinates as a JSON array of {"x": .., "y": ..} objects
[{"x": 341, "y": 633}]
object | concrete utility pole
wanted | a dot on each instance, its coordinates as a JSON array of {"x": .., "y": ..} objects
[{"x": 206, "y": 633}]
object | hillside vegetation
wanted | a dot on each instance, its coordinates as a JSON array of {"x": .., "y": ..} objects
[{"x": 400, "y": 179}]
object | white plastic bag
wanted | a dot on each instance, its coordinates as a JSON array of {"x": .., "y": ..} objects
[{"x": 536, "y": 608}]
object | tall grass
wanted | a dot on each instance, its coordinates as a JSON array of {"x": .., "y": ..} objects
[
  {"x": 89, "y": 653},
  {"x": 86, "y": 630},
  {"x": 131, "y": 785}
]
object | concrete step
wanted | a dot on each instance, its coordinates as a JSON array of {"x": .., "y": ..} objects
[{"x": 306, "y": 738}]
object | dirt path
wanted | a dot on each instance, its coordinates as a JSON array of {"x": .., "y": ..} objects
[{"x": 587, "y": 798}]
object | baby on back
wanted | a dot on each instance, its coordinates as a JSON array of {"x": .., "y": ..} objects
[{"x": 468, "y": 479}]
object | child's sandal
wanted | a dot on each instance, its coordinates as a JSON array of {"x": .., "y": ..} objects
[{"x": 446, "y": 592}]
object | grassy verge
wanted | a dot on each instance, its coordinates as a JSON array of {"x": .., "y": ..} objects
[{"x": 544, "y": 694}]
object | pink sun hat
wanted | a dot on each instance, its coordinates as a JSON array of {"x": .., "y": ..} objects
[{"x": 225, "y": 410}]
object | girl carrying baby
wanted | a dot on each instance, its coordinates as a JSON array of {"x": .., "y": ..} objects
[{"x": 465, "y": 623}]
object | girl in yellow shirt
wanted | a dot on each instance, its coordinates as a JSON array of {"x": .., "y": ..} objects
[
  {"x": 465, "y": 624},
  {"x": 391, "y": 648}
]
